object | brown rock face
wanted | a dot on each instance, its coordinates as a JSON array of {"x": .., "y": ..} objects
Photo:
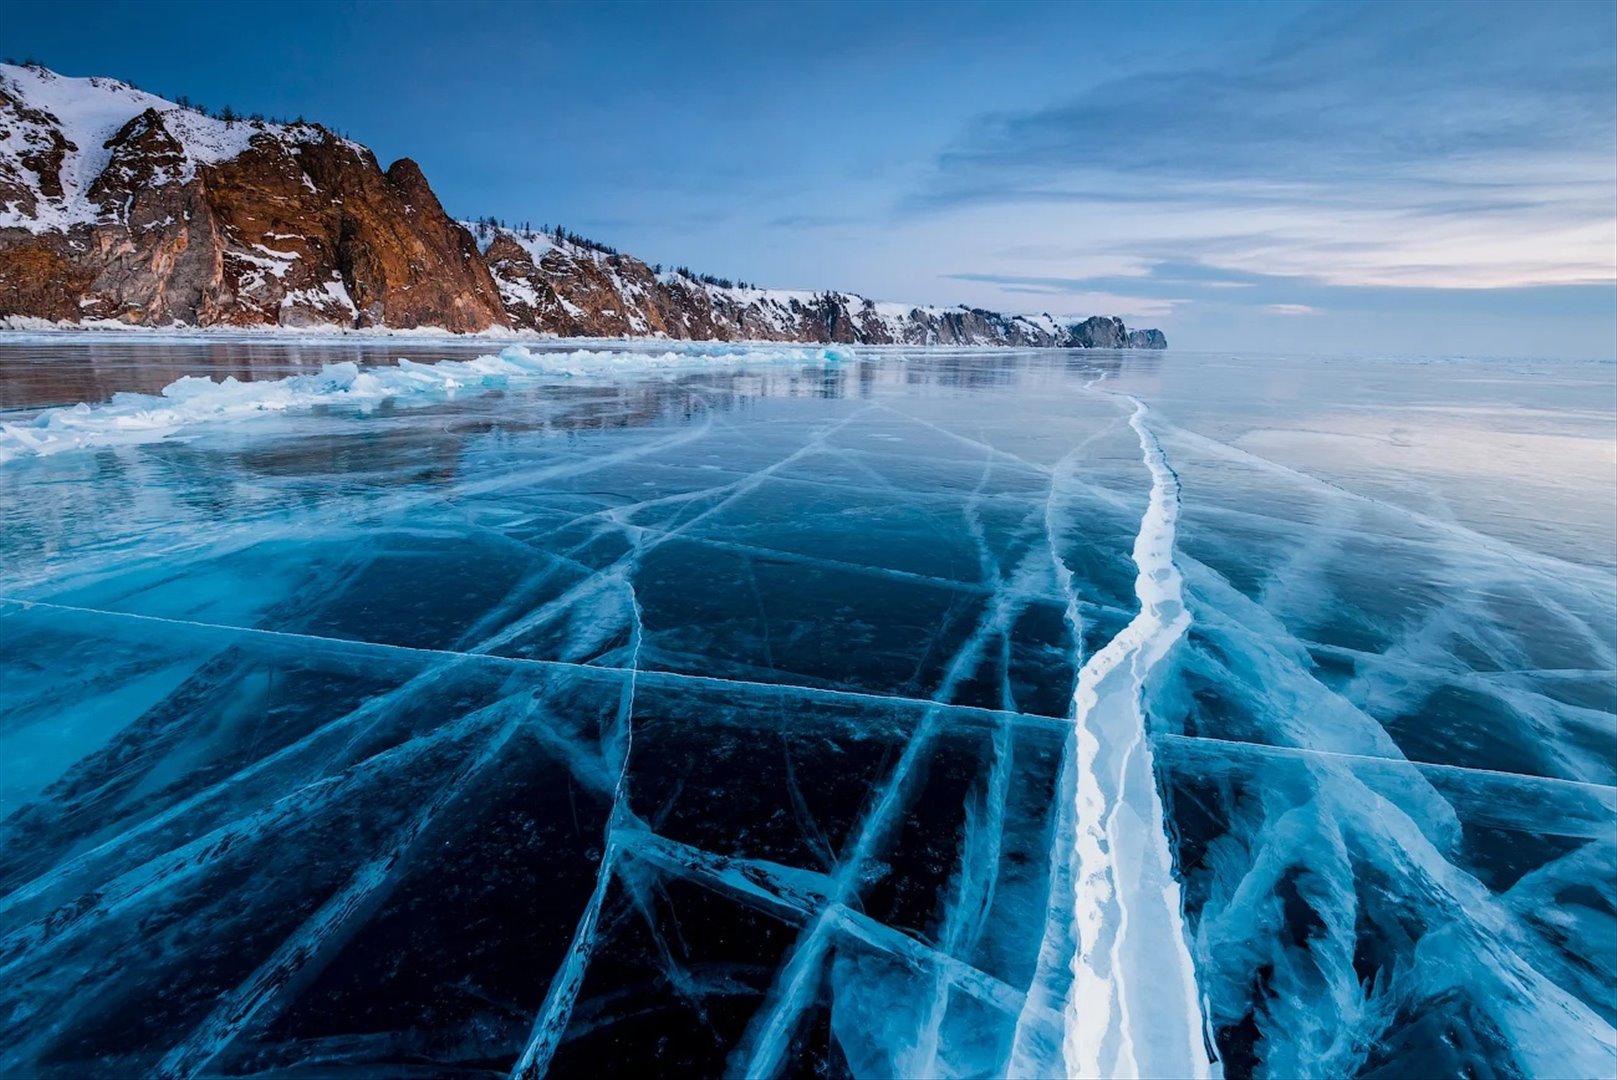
[
  {"x": 297, "y": 227},
  {"x": 317, "y": 233},
  {"x": 41, "y": 278}
]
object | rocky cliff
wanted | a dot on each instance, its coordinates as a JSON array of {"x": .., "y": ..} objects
[
  {"x": 116, "y": 205},
  {"x": 559, "y": 286}
]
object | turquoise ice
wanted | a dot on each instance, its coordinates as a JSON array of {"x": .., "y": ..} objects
[{"x": 723, "y": 710}]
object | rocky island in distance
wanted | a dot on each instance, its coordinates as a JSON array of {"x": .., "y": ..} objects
[{"x": 120, "y": 208}]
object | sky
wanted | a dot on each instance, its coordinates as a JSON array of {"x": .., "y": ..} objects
[{"x": 1333, "y": 178}]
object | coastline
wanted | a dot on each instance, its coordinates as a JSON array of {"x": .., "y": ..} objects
[{"x": 293, "y": 335}]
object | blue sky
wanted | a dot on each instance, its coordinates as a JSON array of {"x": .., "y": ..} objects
[{"x": 1334, "y": 178}]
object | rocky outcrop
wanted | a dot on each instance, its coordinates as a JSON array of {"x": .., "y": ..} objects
[
  {"x": 1100, "y": 332},
  {"x": 37, "y": 148},
  {"x": 117, "y": 205},
  {"x": 180, "y": 218}
]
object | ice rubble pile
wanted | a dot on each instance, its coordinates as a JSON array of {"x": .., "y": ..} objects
[{"x": 133, "y": 419}]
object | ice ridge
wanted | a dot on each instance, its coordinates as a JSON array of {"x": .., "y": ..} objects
[
  {"x": 133, "y": 419},
  {"x": 1128, "y": 999}
]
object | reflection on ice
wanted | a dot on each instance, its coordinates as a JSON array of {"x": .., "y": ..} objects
[{"x": 889, "y": 714}]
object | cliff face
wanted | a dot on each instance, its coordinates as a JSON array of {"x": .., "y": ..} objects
[
  {"x": 118, "y": 205},
  {"x": 1103, "y": 332},
  {"x": 175, "y": 217}
]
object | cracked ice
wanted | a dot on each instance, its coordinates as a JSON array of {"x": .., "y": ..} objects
[{"x": 759, "y": 712}]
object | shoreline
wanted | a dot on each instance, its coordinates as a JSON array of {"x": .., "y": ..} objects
[{"x": 291, "y": 335}]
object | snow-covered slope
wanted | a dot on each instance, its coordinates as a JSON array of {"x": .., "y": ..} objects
[{"x": 57, "y": 140}]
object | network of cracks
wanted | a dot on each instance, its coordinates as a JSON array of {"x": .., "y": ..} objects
[{"x": 702, "y": 728}]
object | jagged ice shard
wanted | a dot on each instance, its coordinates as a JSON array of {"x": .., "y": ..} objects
[{"x": 765, "y": 711}]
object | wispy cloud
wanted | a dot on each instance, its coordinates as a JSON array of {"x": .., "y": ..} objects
[
  {"x": 1290, "y": 309},
  {"x": 813, "y": 221},
  {"x": 1391, "y": 144},
  {"x": 1076, "y": 296}
]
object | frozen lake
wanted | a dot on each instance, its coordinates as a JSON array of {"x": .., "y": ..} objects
[{"x": 788, "y": 711}]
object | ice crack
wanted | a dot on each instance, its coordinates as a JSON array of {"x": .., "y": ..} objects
[{"x": 1129, "y": 1003}]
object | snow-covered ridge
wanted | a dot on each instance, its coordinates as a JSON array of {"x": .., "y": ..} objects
[
  {"x": 894, "y": 317},
  {"x": 132, "y": 419},
  {"x": 552, "y": 280},
  {"x": 88, "y": 112},
  {"x": 117, "y": 205}
]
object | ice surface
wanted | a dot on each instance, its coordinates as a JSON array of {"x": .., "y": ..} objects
[{"x": 729, "y": 712}]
